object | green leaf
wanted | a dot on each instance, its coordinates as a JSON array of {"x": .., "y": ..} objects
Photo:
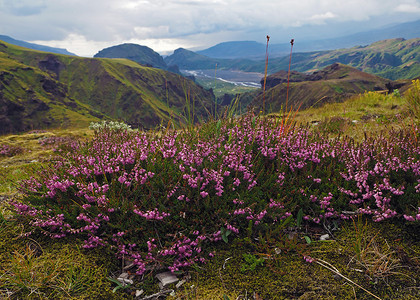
[
  {"x": 287, "y": 220},
  {"x": 225, "y": 233},
  {"x": 299, "y": 217},
  {"x": 307, "y": 239},
  {"x": 225, "y": 297}
]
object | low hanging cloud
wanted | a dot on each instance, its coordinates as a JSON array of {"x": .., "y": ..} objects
[{"x": 193, "y": 22}]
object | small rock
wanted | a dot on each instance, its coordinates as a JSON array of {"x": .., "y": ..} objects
[
  {"x": 125, "y": 280},
  {"x": 277, "y": 251},
  {"x": 166, "y": 278},
  {"x": 324, "y": 237},
  {"x": 139, "y": 293},
  {"x": 178, "y": 285}
]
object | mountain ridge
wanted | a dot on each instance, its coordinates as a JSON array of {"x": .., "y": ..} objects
[
  {"x": 33, "y": 46},
  {"x": 238, "y": 49}
]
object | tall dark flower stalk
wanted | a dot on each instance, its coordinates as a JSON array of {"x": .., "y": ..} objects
[
  {"x": 288, "y": 73},
  {"x": 265, "y": 72},
  {"x": 215, "y": 104}
]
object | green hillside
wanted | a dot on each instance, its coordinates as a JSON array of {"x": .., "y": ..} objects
[{"x": 42, "y": 90}]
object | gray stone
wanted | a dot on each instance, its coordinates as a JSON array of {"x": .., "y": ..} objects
[
  {"x": 139, "y": 293},
  {"x": 166, "y": 278},
  {"x": 324, "y": 237},
  {"x": 178, "y": 285}
]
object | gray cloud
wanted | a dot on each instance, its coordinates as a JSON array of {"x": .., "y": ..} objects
[
  {"x": 196, "y": 22},
  {"x": 23, "y": 7}
]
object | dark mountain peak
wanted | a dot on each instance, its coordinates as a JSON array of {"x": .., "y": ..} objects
[
  {"x": 235, "y": 49},
  {"x": 138, "y": 53}
]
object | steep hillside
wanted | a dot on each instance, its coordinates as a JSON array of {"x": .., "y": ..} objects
[
  {"x": 334, "y": 83},
  {"x": 41, "y": 90}
]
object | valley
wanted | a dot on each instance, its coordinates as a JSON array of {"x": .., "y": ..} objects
[{"x": 240, "y": 78}]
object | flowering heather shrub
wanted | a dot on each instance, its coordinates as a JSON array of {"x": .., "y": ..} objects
[
  {"x": 158, "y": 199},
  {"x": 8, "y": 150}
]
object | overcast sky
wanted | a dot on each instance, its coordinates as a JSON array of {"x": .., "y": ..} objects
[{"x": 86, "y": 26}]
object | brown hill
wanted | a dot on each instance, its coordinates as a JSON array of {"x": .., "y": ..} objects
[{"x": 334, "y": 83}]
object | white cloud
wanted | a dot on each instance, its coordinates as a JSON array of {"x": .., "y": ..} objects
[
  {"x": 199, "y": 22},
  {"x": 409, "y": 7},
  {"x": 321, "y": 18}
]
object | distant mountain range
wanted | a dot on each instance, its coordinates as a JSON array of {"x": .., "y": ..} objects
[
  {"x": 40, "y": 90},
  {"x": 12, "y": 41},
  {"x": 254, "y": 50},
  {"x": 393, "y": 59}
]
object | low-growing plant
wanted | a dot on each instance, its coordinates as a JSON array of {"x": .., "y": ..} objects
[
  {"x": 56, "y": 141},
  {"x": 251, "y": 262},
  {"x": 157, "y": 200},
  {"x": 10, "y": 150}
]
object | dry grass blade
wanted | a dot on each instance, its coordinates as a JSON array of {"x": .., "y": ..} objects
[
  {"x": 378, "y": 264},
  {"x": 333, "y": 269}
]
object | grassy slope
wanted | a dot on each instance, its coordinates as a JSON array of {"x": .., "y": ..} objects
[
  {"x": 116, "y": 88},
  {"x": 33, "y": 106}
]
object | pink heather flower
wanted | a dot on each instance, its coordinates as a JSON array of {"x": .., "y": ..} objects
[
  {"x": 236, "y": 182},
  {"x": 152, "y": 214},
  {"x": 86, "y": 206},
  {"x": 308, "y": 259},
  {"x": 204, "y": 194}
]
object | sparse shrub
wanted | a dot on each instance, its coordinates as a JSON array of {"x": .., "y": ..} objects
[
  {"x": 56, "y": 141},
  {"x": 335, "y": 125},
  {"x": 10, "y": 150},
  {"x": 158, "y": 199}
]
